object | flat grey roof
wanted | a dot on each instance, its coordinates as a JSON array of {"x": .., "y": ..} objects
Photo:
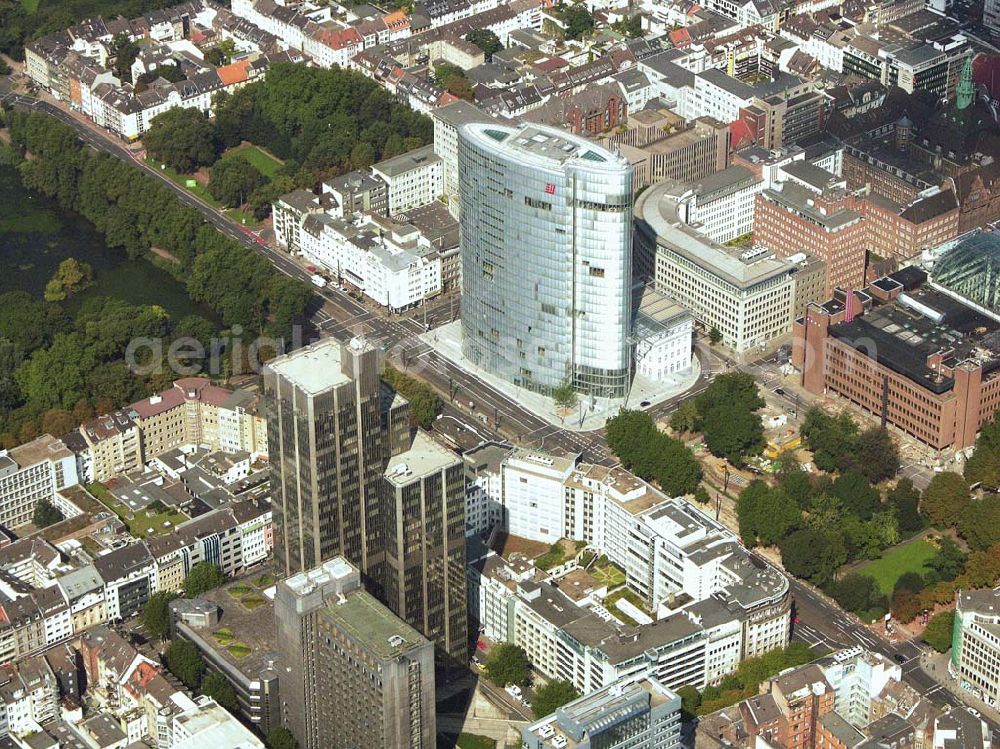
[
  {"x": 544, "y": 145},
  {"x": 460, "y": 113},
  {"x": 407, "y": 162},
  {"x": 728, "y": 179},
  {"x": 727, "y": 83},
  {"x": 313, "y": 369},
  {"x": 658, "y": 209},
  {"x": 424, "y": 457}
]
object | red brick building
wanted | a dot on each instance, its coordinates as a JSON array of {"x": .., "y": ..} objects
[
  {"x": 979, "y": 193},
  {"x": 901, "y": 231},
  {"x": 594, "y": 111},
  {"x": 789, "y": 708},
  {"x": 916, "y": 358},
  {"x": 790, "y": 219}
]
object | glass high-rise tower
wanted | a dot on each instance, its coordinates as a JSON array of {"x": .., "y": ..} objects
[{"x": 546, "y": 243}]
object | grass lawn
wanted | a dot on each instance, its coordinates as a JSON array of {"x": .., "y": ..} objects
[
  {"x": 239, "y": 650},
  {"x": 223, "y": 636},
  {"x": 143, "y": 522},
  {"x": 632, "y": 597},
  {"x": 910, "y": 557},
  {"x": 264, "y": 581},
  {"x": 30, "y": 6},
  {"x": 608, "y": 574},
  {"x": 474, "y": 741},
  {"x": 199, "y": 190},
  {"x": 252, "y": 601},
  {"x": 265, "y": 163},
  {"x": 239, "y": 590}
]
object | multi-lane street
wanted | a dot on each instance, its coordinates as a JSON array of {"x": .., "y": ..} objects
[{"x": 823, "y": 623}]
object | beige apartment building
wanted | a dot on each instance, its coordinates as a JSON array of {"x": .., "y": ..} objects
[{"x": 196, "y": 412}]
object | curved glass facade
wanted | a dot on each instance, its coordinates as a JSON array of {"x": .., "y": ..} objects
[
  {"x": 546, "y": 257},
  {"x": 972, "y": 269}
]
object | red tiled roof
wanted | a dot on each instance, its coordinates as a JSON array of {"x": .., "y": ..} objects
[
  {"x": 164, "y": 401},
  {"x": 552, "y": 64},
  {"x": 237, "y": 72},
  {"x": 680, "y": 37}
]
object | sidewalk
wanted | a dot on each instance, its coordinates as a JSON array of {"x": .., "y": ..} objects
[
  {"x": 589, "y": 414},
  {"x": 935, "y": 665}
]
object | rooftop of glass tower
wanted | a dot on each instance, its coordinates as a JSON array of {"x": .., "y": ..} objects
[{"x": 547, "y": 143}]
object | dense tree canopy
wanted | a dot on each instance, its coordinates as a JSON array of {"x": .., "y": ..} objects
[
  {"x": 579, "y": 21},
  {"x": 837, "y": 445},
  {"x": 766, "y": 514},
  {"x": 202, "y": 578},
  {"x": 946, "y": 497},
  {"x": 181, "y": 138},
  {"x": 156, "y": 614},
  {"x": 857, "y": 495},
  {"x": 233, "y": 180},
  {"x": 486, "y": 40},
  {"x": 45, "y": 514},
  {"x": 185, "y": 662},
  {"x": 507, "y": 664},
  {"x": 979, "y": 522},
  {"x": 313, "y": 118},
  {"x": 219, "y": 688},
  {"x": 552, "y": 695},
  {"x": 280, "y": 737},
  {"x": 813, "y": 554},
  {"x": 651, "y": 454},
  {"x": 453, "y": 78},
  {"x": 857, "y": 593},
  {"x": 135, "y": 212},
  {"x": 70, "y": 277},
  {"x": 425, "y": 404},
  {"x": 904, "y": 498},
  {"x": 983, "y": 467},
  {"x": 728, "y": 418},
  {"x": 939, "y": 630},
  {"x": 123, "y": 53}
]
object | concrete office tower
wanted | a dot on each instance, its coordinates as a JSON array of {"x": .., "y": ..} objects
[
  {"x": 330, "y": 434},
  {"x": 546, "y": 244},
  {"x": 355, "y": 675}
]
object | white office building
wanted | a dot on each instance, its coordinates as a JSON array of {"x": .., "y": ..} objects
[
  {"x": 975, "y": 651},
  {"x": 33, "y": 472},
  {"x": 747, "y": 295},
  {"x": 413, "y": 178},
  {"x": 721, "y": 206},
  {"x": 392, "y": 263},
  {"x": 533, "y": 494},
  {"x": 712, "y": 605}
]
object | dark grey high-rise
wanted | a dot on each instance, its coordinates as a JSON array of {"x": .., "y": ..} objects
[
  {"x": 330, "y": 436},
  {"x": 348, "y": 479}
]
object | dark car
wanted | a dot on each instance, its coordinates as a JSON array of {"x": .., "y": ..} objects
[{"x": 899, "y": 658}]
